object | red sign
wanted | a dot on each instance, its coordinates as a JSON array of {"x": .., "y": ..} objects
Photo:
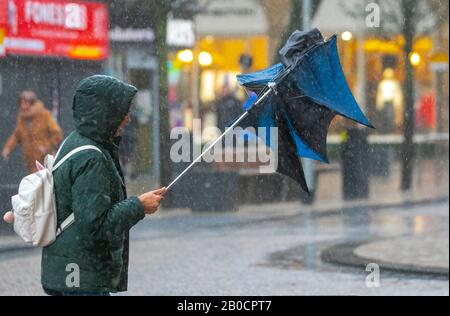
[
  {"x": 3, "y": 13},
  {"x": 57, "y": 28}
]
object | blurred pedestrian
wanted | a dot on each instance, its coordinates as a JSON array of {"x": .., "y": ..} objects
[
  {"x": 426, "y": 117},
  {"x": 36, "y": 130}
]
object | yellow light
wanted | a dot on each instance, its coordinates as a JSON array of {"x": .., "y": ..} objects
[
  {"x": 415, "y": 59},
  {"x": 205, "y": 59},
  {"x": 347, "y": 36},
  {"x": 186, "y": 56}
]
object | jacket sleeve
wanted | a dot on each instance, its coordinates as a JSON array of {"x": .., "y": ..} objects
[
  {"x": 54, "y": 130},
  {"x": 95, "y": 215},
  {"x": 14, "y": 140}
]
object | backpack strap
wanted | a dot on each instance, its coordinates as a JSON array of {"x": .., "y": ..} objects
[{"x": 71, "y": 218}]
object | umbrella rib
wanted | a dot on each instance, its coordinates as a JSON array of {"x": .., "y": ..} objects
[{"x": 296, "y": 98}]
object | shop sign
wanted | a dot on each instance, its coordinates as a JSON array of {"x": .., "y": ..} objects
[
  {"x": 71, "y": 29},
  {"x": 3, "y": 25}
]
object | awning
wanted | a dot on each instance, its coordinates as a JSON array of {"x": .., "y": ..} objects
[
  {"x": 231, "y": 18},
  {"x": 333, "y": 16}
]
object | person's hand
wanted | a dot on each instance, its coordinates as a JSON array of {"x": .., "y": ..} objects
[
  {"x": 42, "y": 149},
  {"x": 152, "y": 200},
  {"x": 39, "y": 166},
  {"x": 5, "y": 153}
]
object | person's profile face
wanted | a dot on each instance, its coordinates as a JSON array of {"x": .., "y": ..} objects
[{"x": 126, "y": 120}]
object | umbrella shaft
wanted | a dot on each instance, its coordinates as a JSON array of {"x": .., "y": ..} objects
[
  {"x": 208, "y": 149},
  {"x": 265, "y": 95}
]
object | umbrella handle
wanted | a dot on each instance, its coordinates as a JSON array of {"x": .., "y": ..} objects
[{"x": 242, "y": 117}]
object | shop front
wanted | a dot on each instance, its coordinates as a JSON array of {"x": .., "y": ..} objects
[
  {"x": 231, "y": 38},
  {"x": 373, "y": 60},
  {"x": 132, "y": 59}
]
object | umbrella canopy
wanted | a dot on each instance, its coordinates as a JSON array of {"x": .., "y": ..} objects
[{"x": 309, "y": 90}]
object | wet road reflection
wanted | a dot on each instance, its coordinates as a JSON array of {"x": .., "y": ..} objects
[
  {"x": 310, "y": 233},
  {"x": 276, "y": 252}
]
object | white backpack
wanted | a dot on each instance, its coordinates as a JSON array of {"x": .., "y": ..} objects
[{"x": 34, "y": 207}]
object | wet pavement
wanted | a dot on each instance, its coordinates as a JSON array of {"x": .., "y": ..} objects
[{"x": 257, "y": 253}]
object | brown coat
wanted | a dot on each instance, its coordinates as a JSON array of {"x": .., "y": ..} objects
[{"x": 39, "y": 135}]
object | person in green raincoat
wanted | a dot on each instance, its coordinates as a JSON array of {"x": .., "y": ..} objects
[{"x": 91, "y": 256}]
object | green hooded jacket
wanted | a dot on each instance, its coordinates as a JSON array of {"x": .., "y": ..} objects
[{"x": 91, "y": 185}]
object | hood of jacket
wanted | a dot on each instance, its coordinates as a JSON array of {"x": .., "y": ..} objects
[{"x": 99, "y": 106}]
